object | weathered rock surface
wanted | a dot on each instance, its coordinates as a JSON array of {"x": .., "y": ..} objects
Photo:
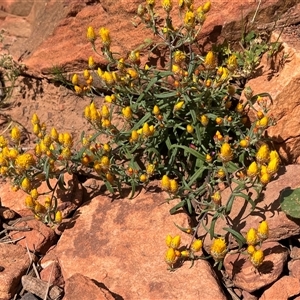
[
  {"x": 84, "y": 288},
  {"x": 245, "y": 276},
  {"x": 268, "y": 208},
  {"x": 14, "y": 260},
  {"x": 283, "y": 289},
  {"x": 121, "y": 244}
]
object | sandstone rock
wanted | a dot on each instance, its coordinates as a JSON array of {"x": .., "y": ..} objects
[
  {"x": 283, "y": 289},
  {"x": 82, "y": 287},
  {"x": 39, "y": 239},
  {"x": 68, "y": 200},
  {"x": 52, "y": 273},
  {"x": 248, "y": 296},
  {"x": 294, "y": 268},
  {"x": 113, "y": 240},
  {"x": 245, "y": 276},
  {"x": 268, "y": 208},
  {"x": 14, "y": 260}
]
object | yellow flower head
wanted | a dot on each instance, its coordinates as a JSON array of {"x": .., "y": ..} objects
[
  {"x": 66, "y": 153},
  {"x": 167, "y": 5},
  {"x": 219, "y": 120},
  {"x": 151, "y": 2},
  {"x": 3, "y": 141},
  {"x": 77, "y": 89},
  {"x": 165, "y": 183},
  {"x": 134, "y": 136},
  {"x": 252, "y": 170},
  {"x": 127, "y": 112},
  {"x": 196, "y": 245},
  {"x": 13, "y": 153},
  {"x": 263, "y": 154},
  {"x": 24, "y": 161},
  {"x": 58, "y": 217},
  {"x": 232, "y": 63},
  {"x": 265, "y": 178},
  {"x": 176, "y": 69},
  {"x": 221, "y": 173},
  {"x": 75, "y": 79},
  {"x": 226, "y": 153},
  {"x": 150, "y": 169},
  {"x": 29, "y": 202},
  {"x": 204, "y": 120},
  {"x": 274, "y": 154},
  {"x": 133, "y": 73},
  {"x": 26, "y": 184},
  {"x": 178, "y": 106},
  {"x": 257, "y": 258},
  {"x": 218, "y": 249},
  {"x": 263, "y": 230},
  {"x": 143, "y": 177},
  {"x": 134, "y": 56},
  {"x": 210, "y": 60},
  {"x": 189, "y": 19},
  {"x": 206, "y": 7},
  {"x": 15, "y": 134},
  {"x": 170, "y": 256},
  {"x": 34, "y": 194},
  {"x": 91, "y": 62},
  {"x": 273, "y": 166},
  {"x": 156, "y": 110},
  {"x": 173, "y": 186},
  {"x": 251, "y": 237},
  {"x": 251, "y": 249},
  {"x": 190, "y": 128},
  {"x": 54, "y": 134},
  {"x": 175, "y": 243},
  {"x": 35, "y": 119},
  {"x": 90, "y": 34},
  {"x": 168, "y": 240},
  {"x": 208, "y": 158},
  {"x": 67, "y": 140},
  {"x": 179, "y": 56},
  {"x": 105, "y": 112},
  {"x": 146, "y": 130},
  {"x": 104, "y": 34},
  {"x": 216, "y": 197}
]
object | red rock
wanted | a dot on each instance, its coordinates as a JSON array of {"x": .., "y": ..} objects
[
  {"x": 52, "y": 273},
  {"x": 282, "y": 289},
  {"x": 14, "y": 260},
  {"x": 294, "y": 267},
  {"x": 280, "y": 226},
  {"x": 245, "y": 276},
  {"x": 84, "y": 288},
  {"x": 39, "y": 239},
  {"x": 121, "y": 244}
]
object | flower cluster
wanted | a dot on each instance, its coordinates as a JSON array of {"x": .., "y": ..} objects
[{"x": 255, "y": 237}]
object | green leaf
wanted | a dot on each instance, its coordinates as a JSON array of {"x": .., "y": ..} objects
[
  {"x": 177, "y": 206},
  {"x": 61, "y": 182},
  {"x": 189, "y": 150},
  {"x": 212, "y": 225},
  {"x": 238, "y": 237}
]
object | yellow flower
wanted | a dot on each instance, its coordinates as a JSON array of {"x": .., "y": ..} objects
[
  {"x": 35, "y": 119},
  {"x": 175, "y": 242},
  {"x": 24, "y": 161},
  {"x": 251, "y": 249},
  {"x": 265, "y": 178},
  {"x": 167, "y": 5},
  {"x": 75, "y": 79},
  {"x": 219, "y": 120},
  {"x": 210, "y": 60},
  {"x": 263, "y": 122},
  {"x": 91, "y": 34},
  {"x": 232, "y": 63},
  {"x": 251, "y": 237},
  {"x": 178, "y": 106},
  {"x": 151, "y": 2},
  {"x": 132, "y": 73},
  {"x": 3, "y": 141},
  {"x": 190, "y": 128},
  {"x": 127, "y": 112},
  {"x": 146, "y": 130},
  {"x": 47, "y": 203},
  {"x": 150, "y": 169},
  {"x": 165, "y": 183},
  {"x": 104, "y": 162},
  {"x": 66, "y": 153},
  {"x": 13, "y": 153},
  {"x": 273, "y": 166},
  {"x": 134, "y": 56},
  {"x": 189, "y": 19},
  {"x": 196, "y": 245},
  {"x": 221, "y": 173},
  {"x": 156, "y": 110},
  {"x": 218, "y": 249},
  {"x": 110, "y": 177},
  {"x": 67, "y": 140},
  {"x": 253, "y": 169},
  {"x": 34, "y": 194},
  {"x": 134, "y": 136},
  {"x": 86, "y": 74},
  {"x": 170, "y": 256},
  {"x": 239, "y": 108},
  {"x": 206, "y": 7},
  {"x": 143, "y": 178},
  {"x": 105, "y": 112},
  {"x": 274, "y": 154},
  {"x": 58, "y": 217},
  {"x": 176, "y": 69},
  {"x": 168, "y": 240},
  {"x": 263, "y": 154},
  {"x": 77, "y": 89},
  {"x": 37, "y": 150},
  {"x": 26, "y": 184},
  {"x": 216, "y": 197},
  {"x": 29, "y": 202},
  {"x": 104, "y": 34},
  {"x": 204, "y": 120},
  {"x": 185, "y": 253},
  {"x": 244, "y": 143},
  {"x": 208, "y": 158},
  {"x": 263, "y": 230},
  {"x": 173, "y": 186},
  {"x": 179, "y": 56},
  {"x": 257, "y": 258},
  {"x": 15, "y": 134},
  {"x": 91, "y": 62},
  {"x": 226, "y": 153},
  {"x": 106, "y": 147}
]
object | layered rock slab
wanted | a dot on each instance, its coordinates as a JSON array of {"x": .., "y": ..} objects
[{"x": 121, "y": 244}]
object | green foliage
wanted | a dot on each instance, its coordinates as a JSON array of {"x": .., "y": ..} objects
[{"x": 290, "y": 202}]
